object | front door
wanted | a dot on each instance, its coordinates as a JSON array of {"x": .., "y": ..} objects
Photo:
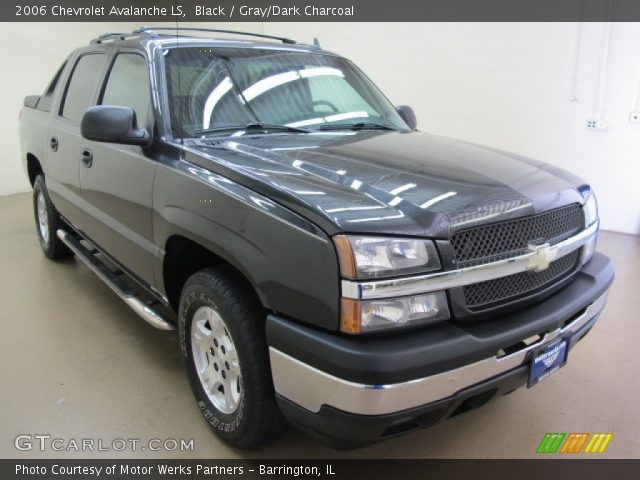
[{"x": 117, "y": 180}]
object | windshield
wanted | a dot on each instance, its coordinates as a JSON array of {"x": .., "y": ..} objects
[{"x": 211, "y": 91}]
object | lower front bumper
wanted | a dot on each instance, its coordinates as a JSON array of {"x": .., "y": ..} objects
[
  {"x": 353, "y": 412},
  {"x": 345, "y": 430}
]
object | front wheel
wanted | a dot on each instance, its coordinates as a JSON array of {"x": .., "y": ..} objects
[
  {"x": 221, "y": 326},
  {"x": 48, "y": 222}
]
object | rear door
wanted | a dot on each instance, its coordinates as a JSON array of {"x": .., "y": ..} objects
[
  {"x": 117, "y": 183},
  {"x": 64, "y": 139}
]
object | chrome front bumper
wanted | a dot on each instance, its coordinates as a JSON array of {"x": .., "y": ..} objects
[{"x": 311, "y": 388}]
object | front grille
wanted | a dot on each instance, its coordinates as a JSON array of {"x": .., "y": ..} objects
[
  {"x": 479, "y": 296},
  {"x": 508, "y": 239}
]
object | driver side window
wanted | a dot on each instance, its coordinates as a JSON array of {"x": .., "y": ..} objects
[{"x": 128, "y": 85}]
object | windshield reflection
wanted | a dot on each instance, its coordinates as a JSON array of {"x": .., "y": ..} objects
[{"x": 211, "y": 89}]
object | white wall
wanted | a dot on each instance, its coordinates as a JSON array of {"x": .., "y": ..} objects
[
  {"x": 499, "y": 84},
  {"x": 507, "y": 85}
]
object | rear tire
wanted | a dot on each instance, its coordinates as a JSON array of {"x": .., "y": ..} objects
[
  {"x": 222, "y": 337},
  {"x": 48, "y": 222}
]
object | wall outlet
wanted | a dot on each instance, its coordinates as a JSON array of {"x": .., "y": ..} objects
[
  {"x": 634, "y": 117},
  {"x": 596, "y": 124}
]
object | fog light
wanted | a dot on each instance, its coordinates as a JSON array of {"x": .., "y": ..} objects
[{"x": 362, "y": 316}]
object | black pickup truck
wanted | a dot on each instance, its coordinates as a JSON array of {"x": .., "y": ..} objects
[{"x": 323, "y": 261}]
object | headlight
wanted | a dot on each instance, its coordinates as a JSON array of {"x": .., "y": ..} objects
[
  {"x": 590, "y": 212},
  {"x": 362, "y": 316},
  {"x": 590, "y": 209},
  {"x": 373, "y": 257}
]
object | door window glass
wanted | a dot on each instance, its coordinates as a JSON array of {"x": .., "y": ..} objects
[
  {"x": 82, "y": 86},
  {"x": 128, "y": 85}
]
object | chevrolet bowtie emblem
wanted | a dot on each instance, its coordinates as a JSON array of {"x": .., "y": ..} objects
[{"x": 542, "y": 256}]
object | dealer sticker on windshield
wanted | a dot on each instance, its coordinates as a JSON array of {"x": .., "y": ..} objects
[{"x": 548, "y": 360}]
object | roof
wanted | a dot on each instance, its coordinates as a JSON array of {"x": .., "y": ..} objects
[{"x": 146, "y": 35}]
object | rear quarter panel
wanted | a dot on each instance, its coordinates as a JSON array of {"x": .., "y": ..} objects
[{"x": 33, "y": 129}]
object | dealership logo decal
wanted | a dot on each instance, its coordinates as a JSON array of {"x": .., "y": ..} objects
[
  {"x": 574, "y": 443},
  {"x": 550, "y": 360}
]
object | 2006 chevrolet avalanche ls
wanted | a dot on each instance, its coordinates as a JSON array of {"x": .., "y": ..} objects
[{"x": 323, "y": 261}]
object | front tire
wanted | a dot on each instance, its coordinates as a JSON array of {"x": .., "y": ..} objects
[
  {"x": 48, "y": 222},
  {"x": 221, "y": 327}
]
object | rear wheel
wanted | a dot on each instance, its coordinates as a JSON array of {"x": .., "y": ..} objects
[
  {"x": 221, "y": 326},
  {"x": 48, "y": 222}
]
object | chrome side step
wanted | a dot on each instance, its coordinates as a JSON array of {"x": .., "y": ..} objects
[{"x": 113, "y": 280}]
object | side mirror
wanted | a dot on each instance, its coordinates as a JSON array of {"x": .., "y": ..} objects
[
  {"x": 408, "y": 115},
  {"x": 110, "y": 124}
]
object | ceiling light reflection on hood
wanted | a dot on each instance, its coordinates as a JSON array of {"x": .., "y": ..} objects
[{"x": 437, "y": 199}]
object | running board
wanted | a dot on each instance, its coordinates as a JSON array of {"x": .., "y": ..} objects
[{"x": 113, "y": 280}]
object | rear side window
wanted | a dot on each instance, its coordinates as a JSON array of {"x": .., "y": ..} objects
[
  {"x": 128, "y": 85},
  {"x": 47, "y": 97},
  {"x": 82, "y": 86}
]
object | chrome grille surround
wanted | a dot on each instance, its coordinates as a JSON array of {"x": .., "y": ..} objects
[{"x": 444, "y": 280}]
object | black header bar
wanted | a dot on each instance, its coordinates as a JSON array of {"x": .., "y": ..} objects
[
  {"x": 149, "y": 11},
  {"x": 320, "y": 469}
]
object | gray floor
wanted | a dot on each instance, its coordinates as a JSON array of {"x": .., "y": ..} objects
[{"x": 77, "y": 363}]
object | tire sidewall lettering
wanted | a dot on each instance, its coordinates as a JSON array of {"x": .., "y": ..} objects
[{"x": 217, "y": 420}]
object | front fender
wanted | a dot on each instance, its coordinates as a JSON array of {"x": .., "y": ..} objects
[{"x": 291, "y": 262}]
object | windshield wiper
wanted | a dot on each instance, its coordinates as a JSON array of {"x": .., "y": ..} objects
[
  {"x": 356, "y": 126},
  {"x": 259, "y": 126}
]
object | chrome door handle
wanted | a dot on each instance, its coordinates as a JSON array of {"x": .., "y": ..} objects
[{"x": 87, "y": 158}]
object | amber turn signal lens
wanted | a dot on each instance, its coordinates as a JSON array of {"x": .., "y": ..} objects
[
  {"x": 345, "y": 256},
  {"x": 349, "y": 316}
]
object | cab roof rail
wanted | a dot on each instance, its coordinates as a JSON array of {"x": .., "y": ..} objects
[
  {"x": 152, "y": 31},
  {"x": 109, "y": 36}
]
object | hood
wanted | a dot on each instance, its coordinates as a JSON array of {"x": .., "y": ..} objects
[{"x": 407, "y": 183}]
